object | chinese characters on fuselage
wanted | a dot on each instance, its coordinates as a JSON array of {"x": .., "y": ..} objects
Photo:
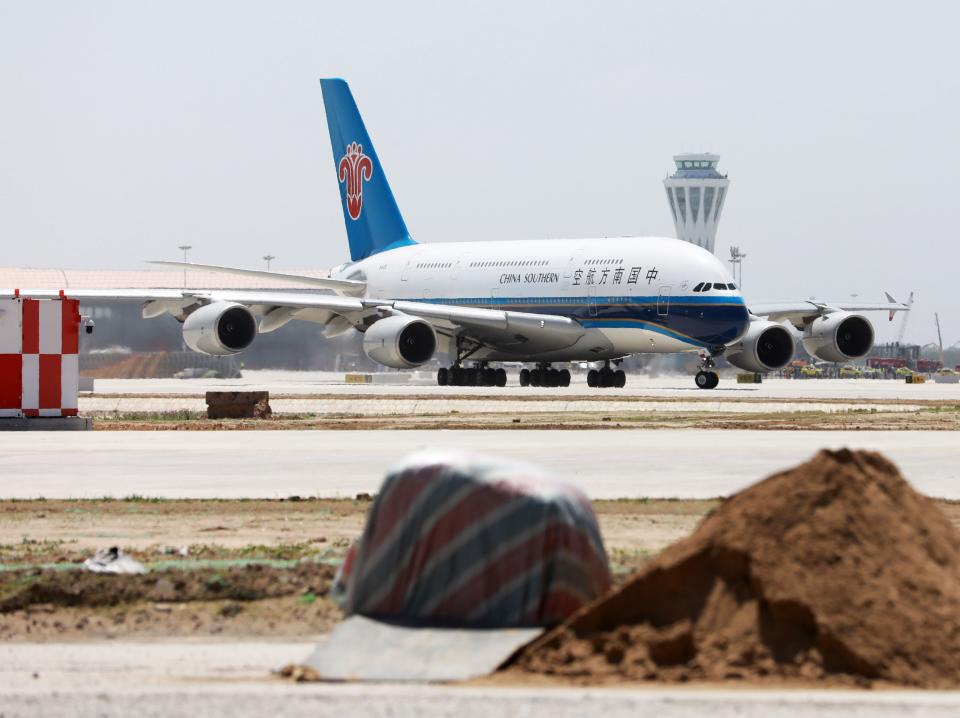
[{"x": 607, "y": 276}]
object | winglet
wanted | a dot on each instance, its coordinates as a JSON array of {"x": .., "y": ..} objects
[
  {"x": 892, "y": 311},
  {"x": 904, "y": 307}
]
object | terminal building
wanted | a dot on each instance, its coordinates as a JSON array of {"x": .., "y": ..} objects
[{"x": 696, "y": 192}]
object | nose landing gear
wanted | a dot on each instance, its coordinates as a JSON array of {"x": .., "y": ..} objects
[{"x": 706, "y": 378}]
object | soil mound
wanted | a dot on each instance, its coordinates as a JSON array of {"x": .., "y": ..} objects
[{"x": 834, "y": 571}]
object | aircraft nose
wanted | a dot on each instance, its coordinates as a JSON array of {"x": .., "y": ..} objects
[{"x": 743, "y": 318}]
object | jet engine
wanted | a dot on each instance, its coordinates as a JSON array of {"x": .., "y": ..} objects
[
  {"x": 767, "y": 346},
  {"x": 220, "y": 329},
  {"x": 839, "y": 336},
  {"x": 400, "y": 342}
]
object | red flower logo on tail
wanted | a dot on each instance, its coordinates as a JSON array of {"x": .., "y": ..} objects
[{"x": 355, "y": 168}]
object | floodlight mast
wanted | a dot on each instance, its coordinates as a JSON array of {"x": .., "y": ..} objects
[
  {"x": 185, "y": 248},
  {"x": 736, "y": 260}
]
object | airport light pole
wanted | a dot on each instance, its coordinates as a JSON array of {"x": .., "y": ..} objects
[
  {"x": 185, "y": 248},
  {"x": 268, "y": 258}
]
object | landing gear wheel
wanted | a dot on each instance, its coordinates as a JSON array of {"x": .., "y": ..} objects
[
  {"x": 524, "y": 377},
  {"x": 489, "y": 377},
  {"x": 619, "y": 379},
  {"x": 500, "y": 377},
  {"x": 606, "y": 378},
  {"x": 593, "y": 378},
  {"x": 443, "y": 376},
  {"x": 707, "y": 379},
  {"x": 564, "y": 377}
]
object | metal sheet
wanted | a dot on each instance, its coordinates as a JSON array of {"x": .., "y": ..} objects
[{"x": 363, "y": 649}]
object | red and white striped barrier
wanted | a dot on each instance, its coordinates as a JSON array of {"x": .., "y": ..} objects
[{"x": 39, "y": 368}]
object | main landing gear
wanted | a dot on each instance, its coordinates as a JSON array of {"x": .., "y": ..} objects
[
  {"x": 606, "y": 377},
  {"x": 706, "y": 378},
  {"x": 480, "y": 375},
  {"x": 543, "y": 375}
]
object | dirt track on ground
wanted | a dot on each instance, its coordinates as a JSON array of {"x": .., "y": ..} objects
[{"x": 945, "y": 418}]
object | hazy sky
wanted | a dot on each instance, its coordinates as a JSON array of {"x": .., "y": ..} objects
[{"x": 128, "y": 128}]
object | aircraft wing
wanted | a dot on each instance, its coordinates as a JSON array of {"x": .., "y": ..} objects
[
  {"x": 803, "y": 312},
  {"x": 504, "y": 329},
  {"x": 489, "y": 327},
  {"x": 340, "y": 286}
]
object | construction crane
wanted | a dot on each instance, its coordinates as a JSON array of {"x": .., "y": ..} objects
[
  {"x": 936, "y": 318},
  {"x": 903, "y": 323}
]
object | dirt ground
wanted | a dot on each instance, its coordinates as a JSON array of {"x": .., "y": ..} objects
[
  {"x": 228, "y": 568},
  {"x": 222, "y": 568}
]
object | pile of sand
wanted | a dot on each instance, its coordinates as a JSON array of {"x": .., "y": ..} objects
[{"x": 834, "y": 571}]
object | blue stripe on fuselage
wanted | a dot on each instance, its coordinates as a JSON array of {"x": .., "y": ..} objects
[{"x": 700, "y": 321}]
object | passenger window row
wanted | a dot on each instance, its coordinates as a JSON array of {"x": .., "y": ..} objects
[
  {"x": 707, "y": 286},
  {"x": 434, "y": 265},
  {"x": 591, "y": 262},
  {"x": 509, "y": 263}
]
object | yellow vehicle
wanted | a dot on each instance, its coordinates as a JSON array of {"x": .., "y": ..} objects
[
  {"x": 811, "y": 372},
  {"x": 850, "y": 372}
]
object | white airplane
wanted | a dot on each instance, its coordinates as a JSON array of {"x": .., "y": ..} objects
[{"x": 539, "y": 302}]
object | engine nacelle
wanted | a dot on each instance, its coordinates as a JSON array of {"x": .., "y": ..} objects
[
  {"x": 767, "y": 346},
  {"x": 839, "y": 337},
  {"x": 400, "y": 342},
  {"x": 220, "y": 329}
]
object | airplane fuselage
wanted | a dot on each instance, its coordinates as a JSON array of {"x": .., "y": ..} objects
[{"x": 632, "y": 295}]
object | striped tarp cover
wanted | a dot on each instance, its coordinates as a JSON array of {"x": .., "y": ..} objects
[{"x": 459, "y": 539}]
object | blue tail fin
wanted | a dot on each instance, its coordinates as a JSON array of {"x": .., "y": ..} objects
[{"x": 371, "y": 214}]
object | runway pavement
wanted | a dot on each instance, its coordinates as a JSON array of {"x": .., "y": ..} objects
[
  {"x": 277, "y": 464},
  {"x": 230, "y": 678},
  {"x": 674, "y": 386},
  {"x": 435, "y": 403}
]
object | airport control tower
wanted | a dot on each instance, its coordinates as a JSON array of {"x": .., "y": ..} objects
[{"x": 696, "y": 192}]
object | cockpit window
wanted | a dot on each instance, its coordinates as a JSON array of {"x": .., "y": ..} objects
[
  {"x": 706, "y": 287},
  {"x": 731, "y": 286},
  {"x": 719, "y": 286},
  {"x": 699, "y": 287}
]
